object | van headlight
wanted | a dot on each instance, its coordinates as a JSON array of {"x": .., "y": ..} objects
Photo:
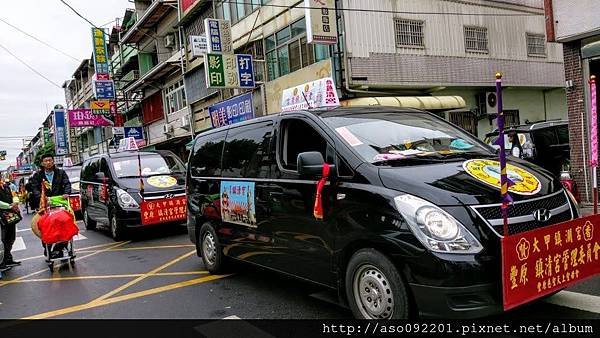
[
  {"x": 125, "y": 200},
  {"x": 435, "y": 228}
]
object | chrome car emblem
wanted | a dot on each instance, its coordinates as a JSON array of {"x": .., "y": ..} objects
[
  {"x": 169, "y": 196},
  {"x": 542, "y": 215}
]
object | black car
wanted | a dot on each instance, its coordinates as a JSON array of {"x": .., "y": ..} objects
[
  {"x": 133, "y": 189},
  {"x": 408, "y": 222},
  {"x": 544, "y": 143}
]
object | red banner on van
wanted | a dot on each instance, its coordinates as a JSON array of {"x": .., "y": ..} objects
[
  {"x": 164, "y": 210},
  {"x": 75, "y": 202},
  {"x": 538, "y": 262}
]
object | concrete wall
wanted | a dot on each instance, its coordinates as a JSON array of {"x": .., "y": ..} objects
[
  {"x": 529, "y": 102},
  {"x": 576, "y": 18}
]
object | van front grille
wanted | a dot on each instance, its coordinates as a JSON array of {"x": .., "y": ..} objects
[{"x": 520, "y": 214}]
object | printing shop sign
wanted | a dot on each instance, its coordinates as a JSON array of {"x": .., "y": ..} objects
[{"x": 237, "y": 109}]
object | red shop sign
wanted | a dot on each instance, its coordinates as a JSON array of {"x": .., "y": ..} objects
[
  {"x": 164, "y": 210},
  {"x": 539, "y": 262}
]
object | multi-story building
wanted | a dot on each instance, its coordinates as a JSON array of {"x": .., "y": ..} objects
[
  {"x": 88, "y": 141},
  {"x": 439, "y": 55},
  {"x": 572, "y": 23},
  {"x": 154, "y": 46}
]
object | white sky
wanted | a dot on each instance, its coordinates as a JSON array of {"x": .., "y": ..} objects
[{"x": 24, "y": 95}]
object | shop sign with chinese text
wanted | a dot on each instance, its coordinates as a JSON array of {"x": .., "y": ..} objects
[
  {"x": 100, "y": 54},
  {"x": 164, "y": 210},
  {"x": 539, "y": 262},
  {"x": 199, "y": 45},
  {"x": 237, "y": 109},
  {"x": 321, "y": 26},
  {"x": 316, "y": 94},
  {"x": 229, "y": 71},
  {"x": 218, "y": 34},
  {"x": 85, "y": 118},
  {"x": 101, "y": 107},
  {"x": 60, "y": 132},
  {"x": 104, "y": 89}
]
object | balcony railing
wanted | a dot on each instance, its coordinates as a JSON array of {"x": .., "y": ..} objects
[{"x": 131, "y": 76}]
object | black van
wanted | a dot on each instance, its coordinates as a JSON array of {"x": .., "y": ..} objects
[
  {"x": 132, "y": 189},
  {"x": 411, "y": 220}
]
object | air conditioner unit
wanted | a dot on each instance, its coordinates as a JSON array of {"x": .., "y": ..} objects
[
  {"x": 185, "y": 122},
  {"x": 491, "y": 103},
  {"x": 167, "y": 129},
  {"x": 170, "y": 41}
]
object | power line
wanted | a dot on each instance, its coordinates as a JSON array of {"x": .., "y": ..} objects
[
  {"x": 31, "y": 68},
  {"x": 39, "y": 40},
  {"x": 381, "y": 10},
  {"x": 77, "y": 13}
]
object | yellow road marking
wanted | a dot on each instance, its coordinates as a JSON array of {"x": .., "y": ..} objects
[
  {"x": 79, "y": 258},
  {"x": 150, "y": 247},
  {"x": 130, "y": 296},
  {"x": 86, "y": 249},
  {"x": 142, "y": 277},
  {"x": 133, "y": 275}
]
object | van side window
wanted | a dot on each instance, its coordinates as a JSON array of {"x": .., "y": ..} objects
[
  {"x": 88, "y": 173},
  {"x": 206, "y": 158},
  {"x": 298, "y": 137},
  {"x": 247, "y": 151},
  {"x": 104, "y": 168},
  {"x": 563, "y": 134}
]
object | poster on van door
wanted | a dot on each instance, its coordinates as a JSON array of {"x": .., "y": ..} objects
[
  {"x": 237, "y": 203},
  {"x": 539, "y": 262}
]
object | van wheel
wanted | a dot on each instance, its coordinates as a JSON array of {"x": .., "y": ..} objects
[
  {"x": 211, "y": 250},
  {"x": 89, "y": 224},
  {"x": 117, "y": 231},
  {"x": 374, "y": 288}
]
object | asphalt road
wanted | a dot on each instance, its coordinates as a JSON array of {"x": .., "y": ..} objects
[{"x": 158, "y": 275}]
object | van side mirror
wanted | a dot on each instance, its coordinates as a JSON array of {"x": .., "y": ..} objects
[{"x": 310, "y": 164}]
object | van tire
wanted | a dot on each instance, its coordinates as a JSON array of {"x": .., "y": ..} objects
[
  {"x": 117, "y": 231},
  {"x": 211, "y": 250},
  {"x": 372, "y": 280},
  {"x": 89, "y": 223}
]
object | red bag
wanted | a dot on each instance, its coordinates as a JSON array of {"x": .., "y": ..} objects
[{"x": 57, "y": 226}]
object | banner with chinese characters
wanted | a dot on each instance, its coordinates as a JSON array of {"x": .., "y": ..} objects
[
  {"x": 538, "y": 262},
  {"x": 75, "y": 203},
  {"x": 321, "y": 26},
  {"x": 315, "y": 94},
  {"x": 85, "y": 118},
  {"x": 100, "y": 54},
  {"x": 237, "y": 109},
  {"x": 60, "y": 132},
  {"x": 229, "y": 71},
  {"x": 164, "y": 210}
]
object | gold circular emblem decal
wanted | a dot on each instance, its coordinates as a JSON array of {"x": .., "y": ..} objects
[
  {"x": 488, "y": 172},
  {"x": 162, "y": 181}
]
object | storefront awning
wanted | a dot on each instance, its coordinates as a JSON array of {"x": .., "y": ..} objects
[
  {"x": 590, "y": 50},
  {"x": 418, "y": 102}
]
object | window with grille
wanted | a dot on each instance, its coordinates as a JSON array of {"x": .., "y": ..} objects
[
  {"x": 536, "y": 45},
  {"x": 409, "y": 33},
  {"x": 511, "y": 117},
  {"x": 476, "y": 39},
  {"x": 464, "y": 119}
]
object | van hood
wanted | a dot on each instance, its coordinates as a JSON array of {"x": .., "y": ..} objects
[
  {"x": 455, "y": 183},
  {"x": 153, "y": 183}
]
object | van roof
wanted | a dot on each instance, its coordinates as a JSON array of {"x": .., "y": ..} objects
[
  {"x": 122, "y": 154},
  {"x": 322, "y": 112}
]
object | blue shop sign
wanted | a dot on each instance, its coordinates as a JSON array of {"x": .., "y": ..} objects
[{"x": 237, "y": 109}]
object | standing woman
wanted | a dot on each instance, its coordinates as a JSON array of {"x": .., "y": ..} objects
[{"x": 516, "y": 148}]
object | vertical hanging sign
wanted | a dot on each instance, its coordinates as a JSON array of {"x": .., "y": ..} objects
[
  {"x": 60, "y": 132},
  {"x": 594, "y": 140},
  {"x": 218, "y": 34},
  {"x": 321, "y": 25},
  {"x": 100, "y": 54}
]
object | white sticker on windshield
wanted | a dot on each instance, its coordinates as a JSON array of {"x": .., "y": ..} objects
[{"x": 348, "y": 136}]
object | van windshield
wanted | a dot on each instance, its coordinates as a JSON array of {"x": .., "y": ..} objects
[
  {"x": 154, "y": 164},
  {"x": 405, "y": 137}
]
